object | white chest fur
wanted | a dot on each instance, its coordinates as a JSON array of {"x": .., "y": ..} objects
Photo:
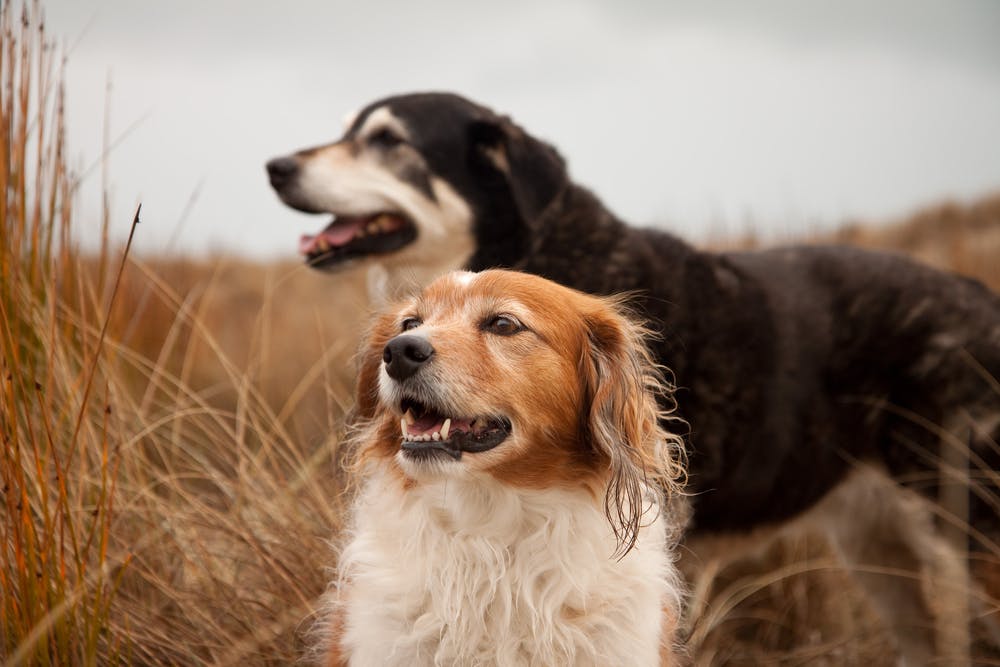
[{"x": 460, "y": 573}]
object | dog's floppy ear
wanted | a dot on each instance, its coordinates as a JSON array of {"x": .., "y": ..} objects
[
  {"x": 361, "y": 438},
  {"x": 533, "y": 171},
  {"x": 369, "y": 362},
  {"x": 358, "y": 422},
  {"x": 624, "y": 421}
]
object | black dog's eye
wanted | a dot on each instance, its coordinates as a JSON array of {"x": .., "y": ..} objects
[
  {"x": 410, "y": 323},
  {"x": 503, "y": 325},
  {"x": 385, "y": 138}
]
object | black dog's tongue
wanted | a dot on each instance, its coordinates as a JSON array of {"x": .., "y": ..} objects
[
  {"x": 334, "y": 235},
  {"x": 345, "y": 229}
]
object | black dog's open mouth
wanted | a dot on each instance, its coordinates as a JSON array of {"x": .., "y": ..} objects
[
  {"x": 427, "y": 432},
  {"x": 350, "y": 237}
]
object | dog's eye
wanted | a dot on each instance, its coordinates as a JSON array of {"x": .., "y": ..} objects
[
  {"x": 503, "y": 325},
  {"x": 410, "y": 323},
  {"x": 385, "y": 138}
]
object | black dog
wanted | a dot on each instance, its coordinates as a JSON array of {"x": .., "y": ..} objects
[{"x": 809, "y": 375}]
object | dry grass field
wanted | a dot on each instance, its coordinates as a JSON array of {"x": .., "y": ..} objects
[{"x": 169, "y": 429}]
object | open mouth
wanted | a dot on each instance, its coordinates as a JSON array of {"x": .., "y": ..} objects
[
  {"x": 428, "y": 433},
  {"x": 351, "y": 237}
]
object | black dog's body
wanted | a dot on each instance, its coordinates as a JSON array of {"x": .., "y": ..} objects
[{"x": 795, "y": 367}]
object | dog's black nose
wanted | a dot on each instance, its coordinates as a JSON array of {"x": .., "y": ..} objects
[
  {"x": 404, "y": 355},
  {"x": 281, "y": 170}
]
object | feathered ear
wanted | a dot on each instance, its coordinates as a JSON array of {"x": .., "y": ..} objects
[
  {"x": 625, "y": 422},
  {"x": 359, "y": 424},
  {"x": 533, "y": 171},
  {"x": 369, "y": 362}
]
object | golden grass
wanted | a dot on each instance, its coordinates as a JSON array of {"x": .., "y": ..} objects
[
  {"x": 58, "y": 467},
  {"x": 169, "y": 433},
  {"x": 229, "y": 513},
  {"x": 168, "y": 492}
]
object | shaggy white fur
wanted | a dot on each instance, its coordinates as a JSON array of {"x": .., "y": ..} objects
[{"x": 475, "y": 572}]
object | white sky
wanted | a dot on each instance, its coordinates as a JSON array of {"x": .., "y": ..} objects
[{"x": 703, "y": 117}]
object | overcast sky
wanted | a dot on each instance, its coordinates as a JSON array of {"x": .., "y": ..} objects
[{"x": 702, "y": 117}]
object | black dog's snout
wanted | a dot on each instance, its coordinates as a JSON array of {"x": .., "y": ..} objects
[
  {"x": 281, "y": 170},
  {"x": 404, "y": 355}
]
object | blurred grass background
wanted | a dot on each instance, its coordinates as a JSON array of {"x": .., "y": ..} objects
[{"x": 169, "y": 428}]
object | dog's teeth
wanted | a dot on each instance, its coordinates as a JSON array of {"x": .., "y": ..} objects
[
  {"x": 322, "y": 244},
  {"x": 373, "y": 227},
  {"x": 446, "y": 428},
  {"x": 408, "y": 417},
  {"x": 435, "y": 436},
  {"x": 402, "y": 425}
]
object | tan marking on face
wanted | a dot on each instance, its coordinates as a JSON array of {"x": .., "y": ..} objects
[{"x": 382, "y": 119}]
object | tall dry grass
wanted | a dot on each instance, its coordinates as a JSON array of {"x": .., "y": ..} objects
[
  {"x": 169, "y": 428},
  {"x": 168, "y": 491},
  {"x": 59, "y": 462}
]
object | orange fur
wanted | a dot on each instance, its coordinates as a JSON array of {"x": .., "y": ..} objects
[{"x": 335, "y": 629}]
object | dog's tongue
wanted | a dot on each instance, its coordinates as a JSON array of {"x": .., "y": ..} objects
[{"x": 336, "y": 234}]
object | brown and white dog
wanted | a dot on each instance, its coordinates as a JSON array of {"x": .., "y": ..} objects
[{"x": 520, "y": 498}]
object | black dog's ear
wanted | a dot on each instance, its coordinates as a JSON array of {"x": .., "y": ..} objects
[{"x": 533, "y": 171}]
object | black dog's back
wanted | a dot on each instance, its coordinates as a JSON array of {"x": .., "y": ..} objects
[{"x": 874, "y": 357}]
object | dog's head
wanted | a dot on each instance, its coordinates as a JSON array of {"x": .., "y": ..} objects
[
  {"x": 419, "y": 182},
  {"x": 514, "y": 378}
]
